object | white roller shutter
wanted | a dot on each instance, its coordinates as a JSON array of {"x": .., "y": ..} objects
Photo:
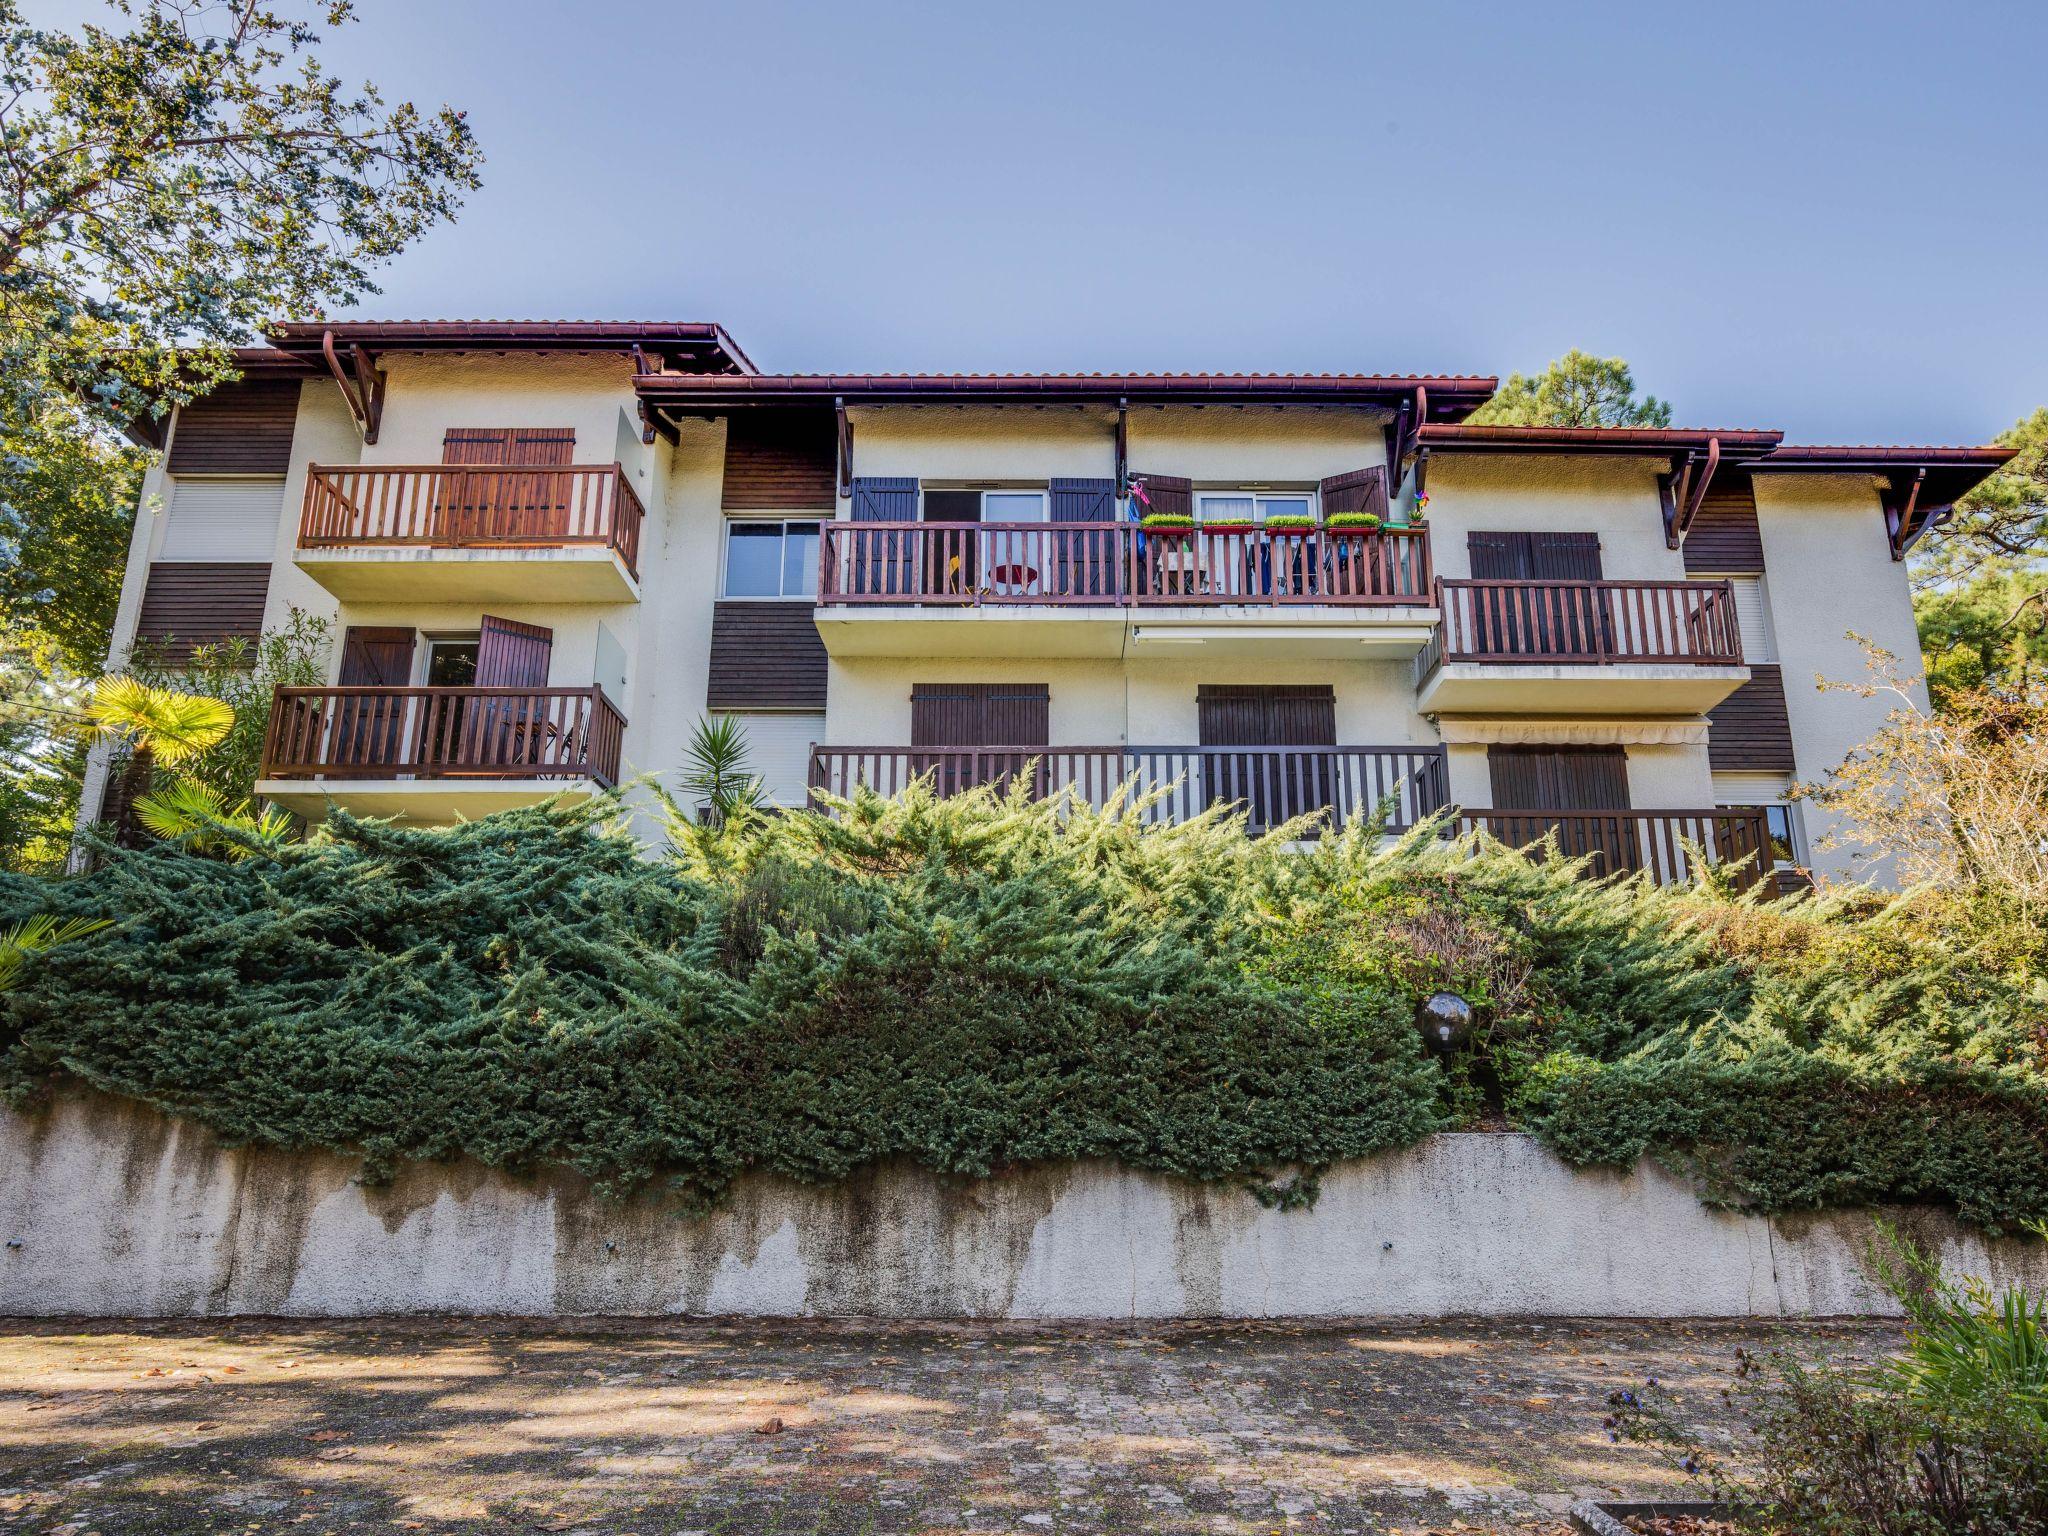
[
  {"x": 1751, "y": 788},
  {"x": 1752, "y": 615},
  {"x": 222, "y": 520},
  {"x": 779, "y": 751}
]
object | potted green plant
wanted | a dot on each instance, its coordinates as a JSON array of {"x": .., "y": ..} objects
[
  {"x": 1291, "y": 523},
  {"x": 1167, "y": 524},
  {"x": 1229, "y": 525},
  {"x": 1353, "y": 525}
]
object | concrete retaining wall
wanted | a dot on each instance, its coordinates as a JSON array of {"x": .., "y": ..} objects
[{"x": 107, "y": 1207}]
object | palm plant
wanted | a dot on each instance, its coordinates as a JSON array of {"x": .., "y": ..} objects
[
  {"x": 34, "y": 935},
  {"x": 175, "y": 729},
  {"x": 172, "y": 727},
  {"x": 201, "y": 815}
]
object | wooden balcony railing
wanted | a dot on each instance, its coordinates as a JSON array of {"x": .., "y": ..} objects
[
  {"x": 1590, "y": 622},
  {"x": 1272, "y": 784},
  {"x": 1113, "y": 564},
  {"x": 1621, "y": 842},
  {"x": 472, "y": 507},
  {"x": 443, "y": 733}
]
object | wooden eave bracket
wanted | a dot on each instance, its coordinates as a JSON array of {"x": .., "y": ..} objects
[
  {"x": 1683, "y": 488},
  {"x": 1403, "y": 434},
  {"x": 845, "y": 445},
  {"x": 653, "y": 424},
  {"x": 362, "y": 386},
  {"x": 1901, "y": 505}
]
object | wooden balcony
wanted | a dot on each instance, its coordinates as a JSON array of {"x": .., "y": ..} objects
[
  {"x": 432, "y": 753},
  {"x": 1114, "y": 564},
  {"x": 1273, "y": 784},
  {"x": 1597, "y": 647},
  {"x": 512, "y": 533},
  {"x": 1622, "y": 842},
  {"x": 1074, "y": 589}
]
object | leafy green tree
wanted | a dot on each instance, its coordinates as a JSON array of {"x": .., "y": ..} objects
[
  {"x": 168, "y": 181},
  {"x": 1578, "y": 390},
  {"x": 174, "y": 184},
  {"x": 1980, "y": 581}
]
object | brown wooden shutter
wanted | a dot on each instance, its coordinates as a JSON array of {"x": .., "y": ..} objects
[
  {"x": 1083, "y": 501},
  {"x": 512, "y": 655},
  {"x": 1359, "y": 490},
  {"x": 1500, "y": 556},
  {"x": 1266, "y": 715},
  {"x": 1564, "y": 556},
  {"x": 376, "y": 657},
  {"x": 1168, "y": 495},
  {"x": 239, "y": 429},
  {"x": 885, "y": 499},
  {"x": 781, "y": 461},
  {"x": 537, "y": 447},
  {"x": 980, "y": 715},
  {"x": 1558, "y": 778},
  {"x": 1724, "y": 539}
]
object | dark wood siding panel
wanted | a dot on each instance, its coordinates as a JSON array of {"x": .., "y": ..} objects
[
  {"x": 1750, "y": 729},
  {"x": 781, "y": 461},
  {"x": 766, "y": 656},
  {"x": 980, "y": 714},
  {"x": 188, "y": 603},
  {"x": 1558, "y": 778},
  {"x": 1724, "y": 539},
  {"x": 535, "y": 447},
  {"x": 239, "y": 429}
]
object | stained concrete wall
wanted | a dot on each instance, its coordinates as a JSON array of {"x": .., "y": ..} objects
[{"x": 107, "y": 1207}]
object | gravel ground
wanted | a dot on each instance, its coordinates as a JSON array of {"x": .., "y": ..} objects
[{"x": 817, "y": 1429}]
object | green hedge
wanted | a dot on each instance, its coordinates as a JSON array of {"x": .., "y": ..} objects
[{"x": 979, "y": 984}]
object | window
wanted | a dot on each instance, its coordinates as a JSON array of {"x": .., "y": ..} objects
[
  {"x": 451, "y": 661},
  {"x": 944, "y": 506},
  {"x": 1766, "y": 792},
  {"x": 771, "y": 559},
  {"x": 1252, "y": 506}
]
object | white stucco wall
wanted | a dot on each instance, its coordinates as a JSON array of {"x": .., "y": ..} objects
[
  {"x": 1548, "y": 492},
  {"x": 1106, "y": 703},
  {"x": 110, "y": 1209},
  {"x": 1831, "y": 572}
]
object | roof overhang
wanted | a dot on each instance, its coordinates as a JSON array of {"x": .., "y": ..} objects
[
  {"x": 695, "y": 346},
  {"x": 1917, "y": 487},
  {"x": 1449, "y": 398},
  {"x": 1693, "y": 456}
]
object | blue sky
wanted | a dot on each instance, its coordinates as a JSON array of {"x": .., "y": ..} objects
[{"x": 1827, "y": 218}]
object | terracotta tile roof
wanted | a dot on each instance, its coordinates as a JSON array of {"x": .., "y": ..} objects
[{"x": 1466, "y": 436}]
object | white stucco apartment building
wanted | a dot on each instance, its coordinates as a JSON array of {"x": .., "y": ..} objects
[{"x": 548, "y": 550}]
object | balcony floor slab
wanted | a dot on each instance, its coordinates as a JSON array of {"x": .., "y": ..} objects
[
  {"x": 420, "y": 802},
  {"x": 1110, "y": 631},
  {"x": 401, "y": 573},
  {"x": 1550, "y": 688}
]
